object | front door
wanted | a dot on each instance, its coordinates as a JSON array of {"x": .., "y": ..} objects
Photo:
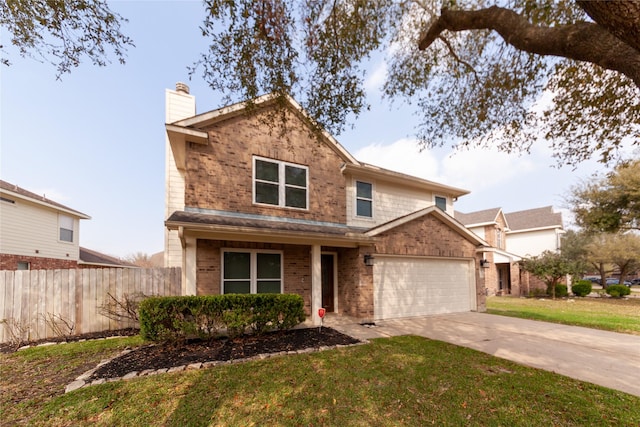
[{"x": 327, "y": 282}]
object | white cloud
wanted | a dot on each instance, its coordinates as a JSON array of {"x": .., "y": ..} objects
[
  {"x": 483, "y": 168},
  {"x": 403, "y": 156},
  {"x": 474, "y": 170}
]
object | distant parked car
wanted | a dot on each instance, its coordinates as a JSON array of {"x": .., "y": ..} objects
[
  {"x": 635, "y": 281},
  {"x": 617, "y": 282},
  {"x": 592, "y": 279}
]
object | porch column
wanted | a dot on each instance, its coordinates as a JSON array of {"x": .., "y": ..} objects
[
  {"x": 316, "y": 283},
  {"x": 189, "y": 266}
]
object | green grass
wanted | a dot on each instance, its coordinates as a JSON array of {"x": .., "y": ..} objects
[
  {"x": 618, "y": 315},
  {"x": 397, "y": 381}
]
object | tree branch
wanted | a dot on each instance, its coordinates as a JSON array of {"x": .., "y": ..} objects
[
  {"x": 620, "y": 17},
  {"x": 581, "y": 41}
]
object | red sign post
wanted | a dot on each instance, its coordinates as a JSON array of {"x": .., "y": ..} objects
[{"x": 321, "y": 312}]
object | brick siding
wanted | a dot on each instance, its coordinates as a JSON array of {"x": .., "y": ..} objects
[
  {"x": 10, "y": 262},
  {"x": 296, "y": 267},
  {"x": 219, "y": 174}
]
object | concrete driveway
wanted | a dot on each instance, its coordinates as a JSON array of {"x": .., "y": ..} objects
[{"x": 606, "y": 358}]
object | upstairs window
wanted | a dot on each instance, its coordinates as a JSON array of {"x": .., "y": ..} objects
[
  {"x": 441, "y": 202},
  {"x": 280, "y": 184},
  {"x": 364, "y": 199},
  {"x": 251, "y": 272},
  {"x": 66, "y": 228},
  {"x": 499, "y": 243}
]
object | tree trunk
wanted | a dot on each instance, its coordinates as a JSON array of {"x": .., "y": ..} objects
[
  {"x": 621, "y": 18},
  {"x": 582, "y": 41}
]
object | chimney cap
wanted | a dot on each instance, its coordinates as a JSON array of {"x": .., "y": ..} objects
[{"x": 181, "y": 87}]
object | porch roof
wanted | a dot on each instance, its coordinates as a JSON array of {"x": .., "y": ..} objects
[{"x": 265, "y": 229}]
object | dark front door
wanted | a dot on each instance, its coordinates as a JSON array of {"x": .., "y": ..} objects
[{"x": 327, "y": 282}]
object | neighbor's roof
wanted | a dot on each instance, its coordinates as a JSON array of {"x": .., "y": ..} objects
[
  {"x": 529, "y": 219},
  {"x": 88, "y": 256},
  {"x": 486, "y": 216},
  {"x": 15, "y": 191}
]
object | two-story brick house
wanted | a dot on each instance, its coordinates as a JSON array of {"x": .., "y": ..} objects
[
  {"x": 250, "y": 210},
  {"x": 513, "y": 236}
]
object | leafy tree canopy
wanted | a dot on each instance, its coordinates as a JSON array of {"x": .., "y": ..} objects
[
  {"x": 620, "y": 249},
  {"x": 475, "y": 71},
  {"x": 550, "y": 267},
  {"x": 610, "y": 203},
  {"x": 63, "y": 32}
]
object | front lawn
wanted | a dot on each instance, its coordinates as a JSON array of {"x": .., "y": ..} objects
[
  {"x": 397, "y": 381},
  {"x": 611, "y": 314}
]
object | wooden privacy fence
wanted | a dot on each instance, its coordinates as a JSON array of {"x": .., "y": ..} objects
[{"x": 40, "y": 304}]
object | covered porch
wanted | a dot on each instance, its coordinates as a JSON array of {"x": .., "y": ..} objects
[{"x": 324, "y": 263}]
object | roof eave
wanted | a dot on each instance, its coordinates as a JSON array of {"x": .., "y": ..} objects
[
  {"x": 45, "y": 203},
  {"x": 374, "y": 172},
  {"x": 264, "y": 235}
]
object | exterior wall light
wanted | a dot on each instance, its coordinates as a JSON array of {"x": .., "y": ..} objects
[
  {"x": 484, "y": 263},
  {"x": 368, "y": 260}
]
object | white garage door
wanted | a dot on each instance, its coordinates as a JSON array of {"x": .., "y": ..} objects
[{"x": 407, "y": 287}]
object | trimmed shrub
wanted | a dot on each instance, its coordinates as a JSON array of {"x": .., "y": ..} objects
[
  {"x": 581, "y": 288},
  {"x": 207, "y": 316},
  {"x": 618, "y": 291},
  {"x": 561, "y": 291}
]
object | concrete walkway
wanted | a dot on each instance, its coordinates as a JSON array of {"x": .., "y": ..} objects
[{"x": 605, "y": 358}]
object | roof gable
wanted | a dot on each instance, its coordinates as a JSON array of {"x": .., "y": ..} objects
[
  {"x": 484, "y": 217},
  {"x": 436, "y": 212},
  {"x": 193, "y": 127}
]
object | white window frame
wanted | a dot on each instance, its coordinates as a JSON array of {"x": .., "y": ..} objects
[
  {"x": 60, "y": 228},
  {"x": 282, "y": 185},
  {"x": 435, "y": 201},
  {"x": 253, "y": 267},
  {"x": 355, "y": 190}
]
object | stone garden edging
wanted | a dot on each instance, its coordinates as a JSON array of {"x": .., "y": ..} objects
[{"x": 83, "y": 380}]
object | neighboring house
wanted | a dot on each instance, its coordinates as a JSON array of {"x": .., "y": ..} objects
[
  {"x": 514, "y": 236},
  {"x": 250, "y": 211},
  {"x": 534, "y": 231},
  {"x": 35, "y": 232}
]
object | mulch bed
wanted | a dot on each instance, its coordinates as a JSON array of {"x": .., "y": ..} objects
[{"x": 161, "y": 356}]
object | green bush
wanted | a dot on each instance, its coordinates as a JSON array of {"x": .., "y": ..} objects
[
  {"x": 581, "y": 288},
  {"x": 207, "y": 316},
  {"x": 617, "y": 291},
  {"x": 561, "y": 291}
]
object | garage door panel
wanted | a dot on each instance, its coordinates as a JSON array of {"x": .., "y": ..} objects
[{"x": 405, "y": 287}]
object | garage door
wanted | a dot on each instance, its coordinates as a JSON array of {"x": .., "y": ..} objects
[{"x": 407, "y": 287}]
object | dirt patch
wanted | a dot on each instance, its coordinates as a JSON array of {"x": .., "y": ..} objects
[{"x": 223, "y": 349}]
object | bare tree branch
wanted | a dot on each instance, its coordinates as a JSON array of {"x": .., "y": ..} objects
[{"x": 581, "y": 41}]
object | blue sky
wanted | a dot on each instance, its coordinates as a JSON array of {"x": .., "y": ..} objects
[{"x": 95, "y": 140}]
